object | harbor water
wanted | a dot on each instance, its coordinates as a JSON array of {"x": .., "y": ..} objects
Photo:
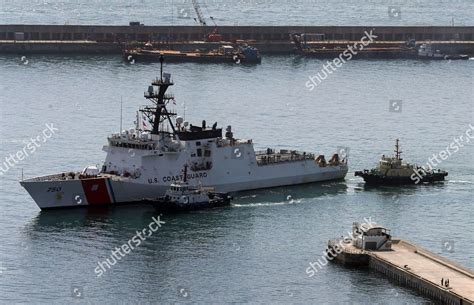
[
  {"x": 241, "y": 12},
  {"x": 258, "y": 250}
]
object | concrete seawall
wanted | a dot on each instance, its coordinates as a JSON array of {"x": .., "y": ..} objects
[
  {"x": 59, "y": 47},
  {"x": 419, "y": 269},
  {"x": 86, "y": 39},
  {"x": 423, "y": 270},
  {"x": 258, "y": 33}
]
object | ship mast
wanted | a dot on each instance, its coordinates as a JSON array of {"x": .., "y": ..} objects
[
  {"x": 398, "y": 152},
  {"x": 160, "y": 98}
]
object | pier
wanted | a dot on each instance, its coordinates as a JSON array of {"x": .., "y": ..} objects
[
  {"x": 87, "y": 39},
  {"x": 422, "y": 270},
  {"x": 406, "y": 263}
]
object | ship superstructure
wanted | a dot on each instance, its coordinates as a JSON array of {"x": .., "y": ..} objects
[
  {"x": 142, "y": 162},
  {"x": 392, "y": 170}
]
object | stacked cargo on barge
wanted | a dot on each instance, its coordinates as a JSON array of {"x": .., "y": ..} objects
[
  {"x": 311, "y": 45},
  {"x": 224, "y": 54}
]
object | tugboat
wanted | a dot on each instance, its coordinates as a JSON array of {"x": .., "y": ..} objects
[
  {"x": 224, "y": 54},
  {"x": 425, "y": 51},
  {"x": 182, "y": 197},
  {"x": 392, "y": 171},
  {"x": 143, "y": 162}
]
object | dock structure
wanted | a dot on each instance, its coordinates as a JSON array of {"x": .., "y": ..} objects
[
  {"x": 258, "y": 33},
  {"x": 406, "y": 263},
  {"x": 423, "y": 270},
  {"x": 19, "y": 38}
]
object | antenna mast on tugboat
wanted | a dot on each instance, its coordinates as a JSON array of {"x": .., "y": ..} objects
[{"x": 397, "y": 150}]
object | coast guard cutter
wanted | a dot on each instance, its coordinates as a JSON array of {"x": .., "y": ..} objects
[{"x": 142, "y": 163}]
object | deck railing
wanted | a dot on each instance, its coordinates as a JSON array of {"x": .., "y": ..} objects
[{"x": 270, "y": 156}]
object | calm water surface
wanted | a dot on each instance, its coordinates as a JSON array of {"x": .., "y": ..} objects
[
  {"x": 258, "y": 249},
  {"x": 240, "y": 12}
]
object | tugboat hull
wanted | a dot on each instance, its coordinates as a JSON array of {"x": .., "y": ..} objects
[
  {"x": 375, "y": 179},
  {"x": 444, "y": 57},
  {"x": 163, "y": 204}
]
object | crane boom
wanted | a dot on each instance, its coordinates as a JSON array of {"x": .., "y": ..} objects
[
  {"x": 197, "y": 8},
  {"x": 213, "y": 36}
]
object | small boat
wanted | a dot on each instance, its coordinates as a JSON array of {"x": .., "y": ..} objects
[
  {"x": 224, "y": 54},
  {"x": 181, "y": 196},
  {"x": 392, "y": 171},
  {"x": 425, "y": 51}
]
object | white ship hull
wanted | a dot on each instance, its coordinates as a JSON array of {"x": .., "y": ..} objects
[
  {"x": 48, "y": 192},
  {"x": 142, "y": 163}
]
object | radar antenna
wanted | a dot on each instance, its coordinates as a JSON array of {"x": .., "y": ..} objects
[
  {"x": 160, "y": 98},
  {"x": 398, "y": 152}
]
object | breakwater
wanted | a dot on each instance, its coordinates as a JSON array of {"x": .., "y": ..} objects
[{"x": 269, "y": 39}]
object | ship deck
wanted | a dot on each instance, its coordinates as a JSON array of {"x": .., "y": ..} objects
[
  {"x": 268, "y": 156},
  {"x": 68, "y": 177}
]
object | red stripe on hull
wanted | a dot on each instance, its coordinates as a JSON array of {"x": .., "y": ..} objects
[{"x": 96, "y": 191}]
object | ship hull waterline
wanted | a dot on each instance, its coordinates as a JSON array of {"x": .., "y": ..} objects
[
  {"x": 103, "y": 191},
  {"x": 376, "y": 180},
  {"x": 183, "y": 58}
]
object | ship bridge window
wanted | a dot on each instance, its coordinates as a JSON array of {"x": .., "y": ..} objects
[
  {"x": 199, "y": 152},
  {"x": 198, "y": 143}
]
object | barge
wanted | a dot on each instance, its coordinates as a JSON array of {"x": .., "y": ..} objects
[
  {"x": 224, "y": 54},
  {"x": 323, "y": 49}
]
